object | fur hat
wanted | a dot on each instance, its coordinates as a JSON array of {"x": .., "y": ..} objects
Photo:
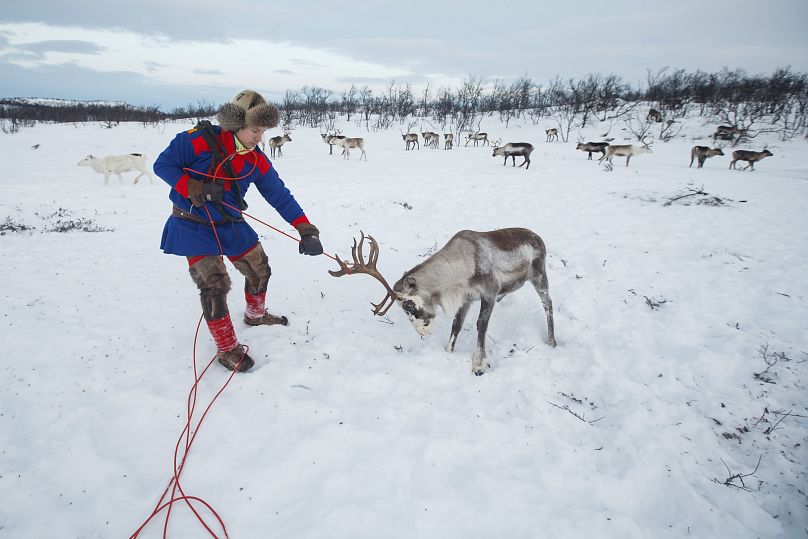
[{"x": 248, "y": 109}]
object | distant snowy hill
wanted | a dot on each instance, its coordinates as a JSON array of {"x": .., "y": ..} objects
[{"x": 54, "y": 102}]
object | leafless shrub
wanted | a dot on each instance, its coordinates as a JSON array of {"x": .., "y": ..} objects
[{"x": 698, "y": 196}]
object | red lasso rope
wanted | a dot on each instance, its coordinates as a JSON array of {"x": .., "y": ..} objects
[{"x": 174, "y": 482}]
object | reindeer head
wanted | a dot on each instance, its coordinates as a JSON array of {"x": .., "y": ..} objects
[{"x": 417, "y": 304}]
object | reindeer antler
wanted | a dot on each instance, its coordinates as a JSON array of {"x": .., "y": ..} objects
[{"x": 360, "y": 266}]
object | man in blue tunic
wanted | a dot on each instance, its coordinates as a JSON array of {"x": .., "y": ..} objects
[{"x": 209, "y": 169}]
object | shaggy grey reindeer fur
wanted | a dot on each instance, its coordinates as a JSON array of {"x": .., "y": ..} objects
[{"x": 472, "y": 266}]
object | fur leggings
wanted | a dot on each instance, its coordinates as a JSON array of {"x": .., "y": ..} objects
[{"x": 210, "y": 275}]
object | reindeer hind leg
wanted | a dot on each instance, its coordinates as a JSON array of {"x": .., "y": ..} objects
[{"x": 543, "y": 289}]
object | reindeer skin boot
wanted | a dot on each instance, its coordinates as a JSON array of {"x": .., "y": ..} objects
[
  {"x": 257, "y": 314},
  {"x": 232, "y": 355}
]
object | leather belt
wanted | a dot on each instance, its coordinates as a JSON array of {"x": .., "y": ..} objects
[{"x": 182, "y": 214}]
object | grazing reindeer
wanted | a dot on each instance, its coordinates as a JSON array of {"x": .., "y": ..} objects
[
  {"x": 748, "y": 156},
  {"x": 472, "y": 266},
  {"x": 593, "y": 147},
  {"x": 331, "y": 140},
  {"x": 275, "y": 143},
  {"x": 727, "y": 132},
  {"x": 654, "y": 115},
  {"x": 430, "y": 139},
  {"x": 350, "y": 143},
  {"x": 448, "y": 141},
  {"x": 702, "y": 153},
  {"x": 552, "y": 134},
  {"x": 477, "y": 137},
  {"x": 626, "y": 150},
  {"x": 411, "y": 138},
  {"x": 512, "y": 149}
]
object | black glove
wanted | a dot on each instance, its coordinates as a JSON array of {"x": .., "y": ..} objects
[
  {"x": 201, "y": 192},
  {"x": 309, "y": 240}
]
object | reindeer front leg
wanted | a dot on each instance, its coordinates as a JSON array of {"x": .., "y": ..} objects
[
  {"x": 478, "y": 363},
  {"x": 457, "y": 325}
]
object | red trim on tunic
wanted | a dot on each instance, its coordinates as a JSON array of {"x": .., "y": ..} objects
[
  {"x": 194, "y": 259},
  {"x": 200, "y": 144},
  {"x": 302, "y": 220},
  {"x": 182, "y": 185}
]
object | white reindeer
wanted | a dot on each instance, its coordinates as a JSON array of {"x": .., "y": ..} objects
[
  {"x": 477, "y": 137},
  {"x": 626, "y": 150},
  {"x": 330, "y": 139},
  {"x": 348, "y": 143},
  {"x": 116, "y": 164}
]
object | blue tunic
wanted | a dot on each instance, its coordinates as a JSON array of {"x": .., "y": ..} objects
[{"x": 189, "y": 155}]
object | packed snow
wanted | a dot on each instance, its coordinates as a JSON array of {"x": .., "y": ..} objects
[{"x": 674, "y": 405}]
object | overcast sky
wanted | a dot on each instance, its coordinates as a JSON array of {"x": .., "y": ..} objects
[{"x": 175, "y": 52}]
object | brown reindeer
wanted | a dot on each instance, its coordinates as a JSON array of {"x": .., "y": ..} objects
[
  {"x": 702, "y": 153},
  {"x": 593, "y": 147},
  {"x": 430, "y": 139},
  {"x": 748, "y": 156},
  {"x": 654, "y": 115},
  {"x": 477, "y": 137},
  {"x": 512, "y": 149},
  {"x": 727, "y": 132},
  {"x": 411, "y": 138},
  {"x": 552, "y": 134},
  {"x": 275, "y": 143},
  {"x": 448, "y": 141}
]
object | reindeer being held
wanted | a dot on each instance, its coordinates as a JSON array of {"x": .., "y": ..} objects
[{"x": 472, "y": 266}]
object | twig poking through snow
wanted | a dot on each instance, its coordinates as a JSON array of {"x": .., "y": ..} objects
[{"x": 730, "y": 481}]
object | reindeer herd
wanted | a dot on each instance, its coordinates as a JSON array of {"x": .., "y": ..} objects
[{"x": 608, "y": 151}]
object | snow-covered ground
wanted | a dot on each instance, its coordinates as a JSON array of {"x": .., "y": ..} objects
[{"x": 647, "y": 420}]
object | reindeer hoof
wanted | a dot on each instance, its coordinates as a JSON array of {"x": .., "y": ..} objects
[{"x": 479, "y": 371}]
